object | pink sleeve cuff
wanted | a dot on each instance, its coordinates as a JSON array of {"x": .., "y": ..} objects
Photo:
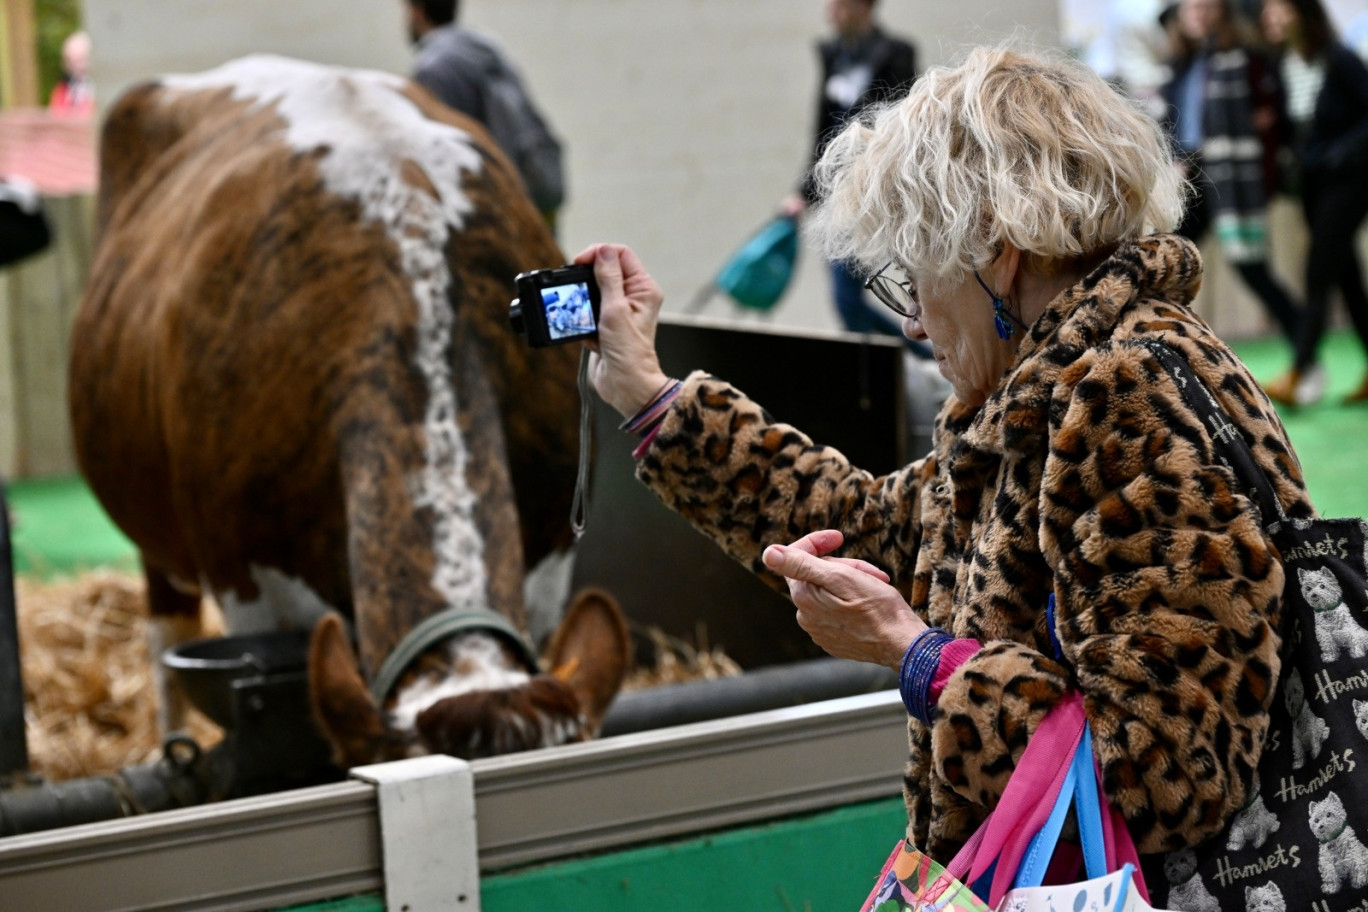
[
  {"x": 953, "y": 655},
  {"x": 641, "y": 448}
]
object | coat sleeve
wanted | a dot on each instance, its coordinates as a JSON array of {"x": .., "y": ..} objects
[
  {"x": 747, "y": 482},
  {"x": 1168, "y": 600},
  {"x": 1349, "y": 77}
]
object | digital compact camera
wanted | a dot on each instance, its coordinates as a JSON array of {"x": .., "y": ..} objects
[{"x": 557, "y": 305}]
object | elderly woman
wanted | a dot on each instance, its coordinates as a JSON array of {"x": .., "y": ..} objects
[{"x": 1004, "y": 208}]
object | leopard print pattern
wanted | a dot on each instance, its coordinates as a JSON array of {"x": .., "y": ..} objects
[{"x": 1084, "y": 475}]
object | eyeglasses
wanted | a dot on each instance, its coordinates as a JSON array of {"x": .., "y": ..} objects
[{"x": 899, "y": 297}]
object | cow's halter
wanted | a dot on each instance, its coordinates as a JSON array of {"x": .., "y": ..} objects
[{"x": 439, "y": 626}]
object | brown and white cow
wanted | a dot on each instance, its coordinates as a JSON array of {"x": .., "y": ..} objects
[{"x": 294, "y": 386}]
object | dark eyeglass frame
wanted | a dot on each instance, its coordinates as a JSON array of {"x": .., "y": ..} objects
[{"x": 899, "y": 297}]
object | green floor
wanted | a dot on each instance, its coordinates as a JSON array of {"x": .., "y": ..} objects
[{"x": 59, "y": 528}]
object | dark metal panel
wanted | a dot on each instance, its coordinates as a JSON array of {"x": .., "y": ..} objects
[
  {"x": 842, "y": 390},
  {"x": 13, "y": 740}
]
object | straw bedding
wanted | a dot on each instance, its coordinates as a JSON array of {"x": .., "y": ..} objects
[{"x": 90, "y": 699}]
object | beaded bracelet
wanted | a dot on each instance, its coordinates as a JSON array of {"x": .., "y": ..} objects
[
  {"x": 653, "y": 411},
  {"x": 918, "y": 669}
]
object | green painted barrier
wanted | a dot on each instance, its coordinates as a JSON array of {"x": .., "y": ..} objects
[{"x": 815, "y": 863}]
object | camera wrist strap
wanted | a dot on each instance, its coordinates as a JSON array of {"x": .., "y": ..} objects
[{"x": 579, "y": 508}]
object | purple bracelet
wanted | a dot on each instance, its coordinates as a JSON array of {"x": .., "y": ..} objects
[
  {"x": 653, "y": 412},
  {"x": 918, "y": 670}
]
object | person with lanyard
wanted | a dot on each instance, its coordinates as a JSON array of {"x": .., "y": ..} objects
[{"x": 861, "y": 65}]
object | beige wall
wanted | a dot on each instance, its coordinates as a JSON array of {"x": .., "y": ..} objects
[
  {"x": 685, "y": 120},
  {"x": 38, "y": 299}
]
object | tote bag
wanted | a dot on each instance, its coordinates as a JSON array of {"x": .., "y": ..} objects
[
  {"x": 1015, "y": 845},
  {"x": 1299, "y": 842},
  {"x": 1119, "y": 891}
]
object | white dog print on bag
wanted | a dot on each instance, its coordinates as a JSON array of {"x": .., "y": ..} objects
[
  {"x": 1335, "y": 626},
  {"x": 1253, "y": 825},
  {"x": 1267, "y": 898},
  {"x": 1343, "y": 858},
  {"x": 1361, "y": 716},
  {"x": 1187, "y": 892},
  {"x": 1309, "y": 730}
]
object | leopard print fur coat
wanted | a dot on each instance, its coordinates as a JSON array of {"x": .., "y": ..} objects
[{"x": 1084, "y": 475}]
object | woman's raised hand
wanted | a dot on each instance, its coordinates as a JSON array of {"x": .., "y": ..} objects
[{"x": 625, "y": 369}]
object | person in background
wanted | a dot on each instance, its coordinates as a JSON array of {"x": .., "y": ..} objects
[
  {"x": 467, "y": 72},
  {"x": 1073, "y": 505},
  {"x": 74, "y": 93},
  {"x": 1326, "y": 90},
  {"x": 861, "y": 65},
  {"x": 1129, "y": 49},
  {"x": 1222, "y": 100}
]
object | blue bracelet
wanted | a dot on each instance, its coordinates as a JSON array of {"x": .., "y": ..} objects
[{"x": 919, "y": 666}]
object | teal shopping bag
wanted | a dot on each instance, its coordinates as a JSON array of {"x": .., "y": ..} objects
[{"x": 759, "y": 273}]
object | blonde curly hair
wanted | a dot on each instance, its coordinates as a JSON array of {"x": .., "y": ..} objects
[{"x": 1007, "y": 146}]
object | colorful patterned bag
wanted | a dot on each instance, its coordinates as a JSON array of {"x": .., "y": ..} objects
[
  {"x": 911, "y": 880},
  {"x": 1299, "y": 842}
]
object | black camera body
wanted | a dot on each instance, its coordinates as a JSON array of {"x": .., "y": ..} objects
[{"x": 555, "y": 306}]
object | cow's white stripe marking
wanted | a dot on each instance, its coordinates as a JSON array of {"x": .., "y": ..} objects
[
  {"x": 482, "y": 666},
  {"x": 370, "y": 130}
]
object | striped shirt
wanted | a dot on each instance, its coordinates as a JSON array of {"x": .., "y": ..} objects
[{"x": 1302, "y": 81}]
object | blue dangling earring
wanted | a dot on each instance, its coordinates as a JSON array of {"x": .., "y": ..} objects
[
  {"x": 1005, "y": 330},
  {"x": 1001, "y": 315}
]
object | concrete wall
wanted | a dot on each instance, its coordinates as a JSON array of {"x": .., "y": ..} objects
[{"x": 685, "y": 120}]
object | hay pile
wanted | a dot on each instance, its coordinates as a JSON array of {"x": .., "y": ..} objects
[
  {"x": 89, "y": 695},
  {"x": 677, "y": 661}
]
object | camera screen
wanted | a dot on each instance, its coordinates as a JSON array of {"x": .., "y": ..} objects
[{"x": 568, "y": 311}]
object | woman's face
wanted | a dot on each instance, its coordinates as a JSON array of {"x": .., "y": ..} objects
[
  {"x": 1279, "y": 19},
  {"x": 959, "y": 325},
  {"x": 1197, "y": 19}
]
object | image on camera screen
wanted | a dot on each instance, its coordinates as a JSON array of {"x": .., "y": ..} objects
[{"x": 568, "y": 311}]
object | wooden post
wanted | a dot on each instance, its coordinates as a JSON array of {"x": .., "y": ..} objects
[{"x": 18, "y": 54}]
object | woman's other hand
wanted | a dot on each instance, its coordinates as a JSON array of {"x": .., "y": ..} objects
[
  {"x": 847, "y": 606},
  {"x": 625, "y": 369}
]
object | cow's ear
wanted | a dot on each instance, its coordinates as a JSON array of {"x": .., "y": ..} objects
[
  {"x": 591, "y": 651},
  {"x": 343, "y": 706}
]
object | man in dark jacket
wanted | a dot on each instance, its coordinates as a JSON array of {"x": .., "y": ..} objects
[
  {"x": 468, "y": 73},
  {"x": 861, "y": 65}
]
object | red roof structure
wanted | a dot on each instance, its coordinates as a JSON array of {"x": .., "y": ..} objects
[{"x": 56, "y": 151}]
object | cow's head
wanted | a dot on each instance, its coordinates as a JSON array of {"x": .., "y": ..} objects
[{"x": 470, "y": 695}]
